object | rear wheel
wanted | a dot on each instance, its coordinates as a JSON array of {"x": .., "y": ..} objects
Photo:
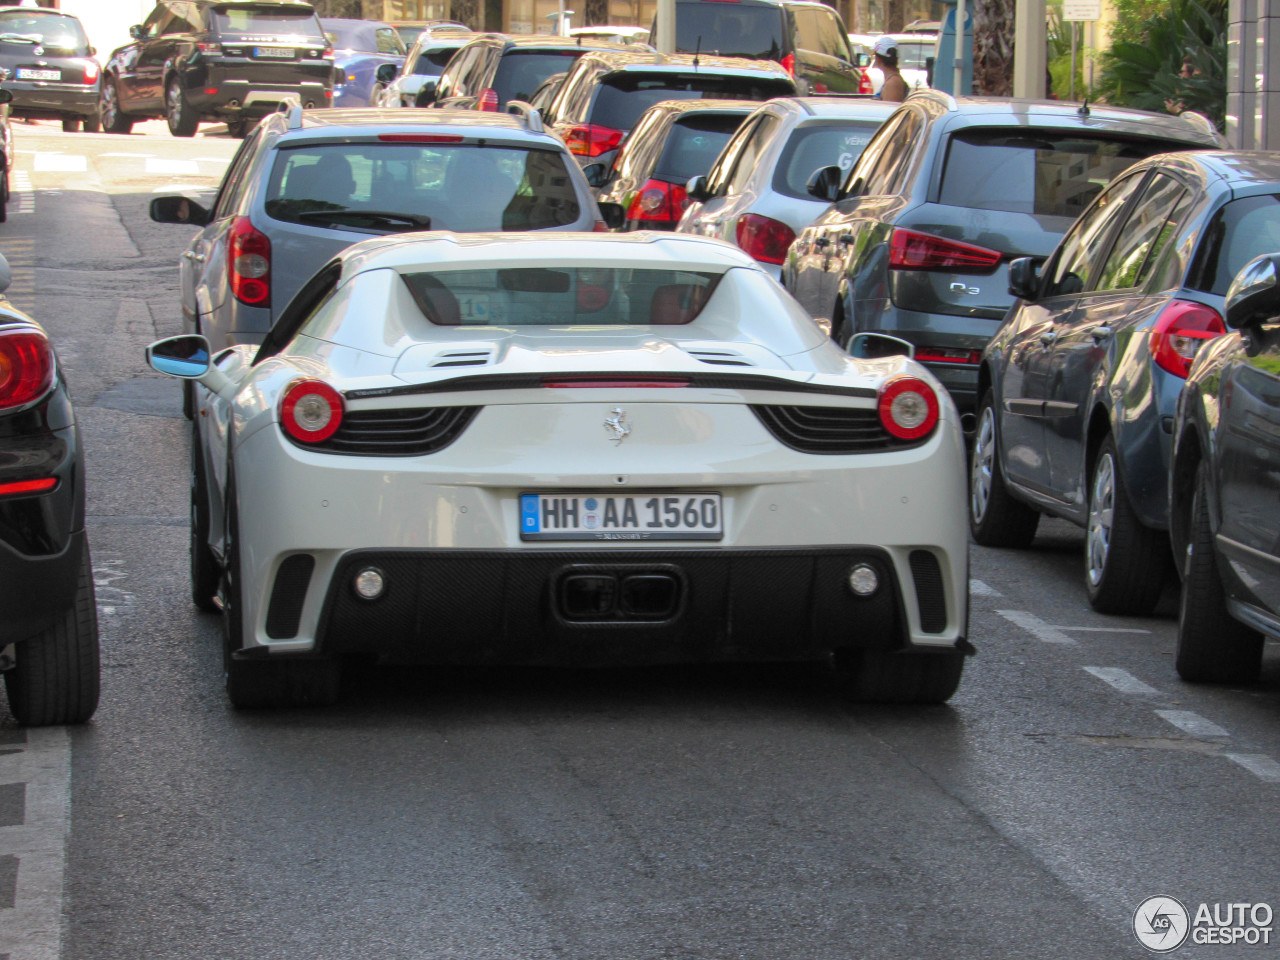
[
  {"x": 112, "y": 120},
  {"x": 995, "y": 518},
  {"x": 55, "y": 679},
  {"x": 205, "y": 570},
  {"x": 70, "y": 124},
  {"x": 1213, "y": 646},
  {"x": 182, "y": 119},
  {"x": 1125, "y": 563},
  {"x": 899, "y": 676}
]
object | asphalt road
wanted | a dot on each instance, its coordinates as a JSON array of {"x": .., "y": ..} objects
[{"x": 633, "y": 815}]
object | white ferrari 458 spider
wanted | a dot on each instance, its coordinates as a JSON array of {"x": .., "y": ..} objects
[{"x": 575, "y": 449}]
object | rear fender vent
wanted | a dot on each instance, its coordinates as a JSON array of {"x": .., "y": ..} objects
[
  {"x": 463, "y": 358},
  {"x": 288, "y": 595},
  {"x": 828, "y": 430},
  {"x": 410, "y": 432},
  {"x": 930, "y": 595},
  {"x": 720, "y": 358}
]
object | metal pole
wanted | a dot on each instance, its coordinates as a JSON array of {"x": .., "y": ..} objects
[
  {"x": 665, "y": 34},
  {"x": 1028, "y": 49},
  {"x": 1072, "y": 95},
  {"x": 957, "y": 85}
]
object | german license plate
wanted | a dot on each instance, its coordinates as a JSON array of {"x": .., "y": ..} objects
[
  {"x": 25, "y": 73},
  {"x": 608, "y": 516},
  {"x": 285, "y": 52}
]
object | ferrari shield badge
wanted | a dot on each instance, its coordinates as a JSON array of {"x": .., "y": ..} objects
[{"x": 617, "y": 424}]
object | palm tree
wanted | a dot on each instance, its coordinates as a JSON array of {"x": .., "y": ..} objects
[{"x": 993, "y": 47}]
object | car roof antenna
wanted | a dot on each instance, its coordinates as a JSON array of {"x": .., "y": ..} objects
[
  {"x": 1084, "y": 108},
  {"x": 697, "y": 50}
]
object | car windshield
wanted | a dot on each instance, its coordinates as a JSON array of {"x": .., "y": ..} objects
[
  {"x": 561, "y": 296},
  {"x": 730, "y": 30},
  {"x": 911, "y": 55},
  {"x": 432, "y": 61},
  {"x": 624, "y": 96},
  {"x": 1043, "y": 172},
  {"x": 521, "y": 72},
  {"x": 347, "y": 36},
  {"x": 1241, "y": 230},
  {"x": 814, "y": 146},
  {"x": 267, "y": 21},
  {"x": 391, "y": 187},
  {"x": 693, "y": 143},
  {"x": 51, "y": 30}
]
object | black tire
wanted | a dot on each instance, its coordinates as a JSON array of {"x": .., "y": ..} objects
[
  {"x": 55, "y": 680},
  {"x": 183, "y": 121},
  {"x": 92, "y": 124},
  {"x": 111, "y": 119},
  {"x": 70, "y": 124},
  {"x": 238, "y": 129},
  {"x": 254, "y": 684},
  {"x": 206, "y": 572},
  {"x": 996, "y": 519},
  {"x": 4, "y": 197},
  {"x": 188, "y": 400},
  {"x": 899, "y": 677},
  {"x": 1213, "y": 646},
  {"x": 1125, "y": 564}
]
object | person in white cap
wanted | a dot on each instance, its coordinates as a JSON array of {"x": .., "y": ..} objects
[{"x": 894, "y": 88}]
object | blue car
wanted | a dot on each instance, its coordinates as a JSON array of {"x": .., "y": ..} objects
[{"x": 360, "y": 47}]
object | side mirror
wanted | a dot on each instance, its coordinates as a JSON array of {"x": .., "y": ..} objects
[
  {"x": 6, "y": 96},
  {"x": 178, "y": 210},
  {"x": 426, "y": 95},
  {"x": 1254, "y": 295},
  {"x": 386, "y": 73},
  {"x": 824, "y": 183},
  {"x": 615, "y": 215},
  {"x": 864, "y": 60},
  {"x": 597, "y": 174},
  {"x": 136, "y": 31},
  {"x": 1024, "y": 278},
  {"x": 873, "y": 346},
  {"x": 696, "y": 190},
  {"x": 93, "y": 51},
  {"x": 186, "y": 357}
]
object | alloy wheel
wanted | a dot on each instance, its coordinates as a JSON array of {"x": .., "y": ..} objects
[
  {"x": 1102, "y": 508},
  {"x": 175, "y": 103},
  {"x": 981, "y": 466}
]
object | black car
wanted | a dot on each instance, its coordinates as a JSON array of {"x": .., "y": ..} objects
[
  {"x": 223, "y": 60},
  {"x": 491, "y": 69},
  {"x": 918, "y": 240},
  {"x": 1078, "y": 386},
  {"x": 52, "y": 73},
  {"x": 807, "y": 38},
  {"x": 48, "y": 619},
  {"x": 606, "y": 93},
  {"x": 6, "y": 152},
  {"x": 673, "y": 141},
  {"x": 1224, "y": 490}
]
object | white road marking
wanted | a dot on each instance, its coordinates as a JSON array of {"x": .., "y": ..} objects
[
  {"x": 1105, "y": 629},
  {"x": 1192, "y": 723},
  {"x": 32, "y": 929},
  {"x": 226, "y": 159},
  {"x": 61, "y": 163},
  {"x": 166, "y": 166},
  {"x": 1122, "y": 680},
  {"x": 23, "y": 192},
  {"x": 1035, "y": 626},
  {"x": 1259, "y": 764},
  {"x": 980, "y": 589},
  {"x": 138, "y": 155}
]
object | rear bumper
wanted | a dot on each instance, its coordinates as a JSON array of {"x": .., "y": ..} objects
[
  {"x": 52, "y": 101},
  {"x": 255, "y": 90}
]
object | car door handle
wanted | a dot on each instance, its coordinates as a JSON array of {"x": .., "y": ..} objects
[
  {"x": 846, "y": 239},
  {"x": 822, "y": 243},
  {"x": 1101, "y": 332},
  {"x": 1048, "y": 338},
  {"x": 197, "y": 257}
]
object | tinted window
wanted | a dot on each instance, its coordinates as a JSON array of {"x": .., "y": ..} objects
[
  {"x": 911, "y": 55},
  {"x": 1148, "y": 228},
  {"x": 1082, "y": 246},
  {"x": 349, "y": 36},
  {"x": 731, "y": 30},
  {"x": 463, "y": 187},
  {"x": 820, "y": 145},
  {"x": 693, "y": 144},
  {"x": 56, "y": 32},
  {"x": 887, "y": 172},
  {"x": 431, "y": 62},
  {"x": 819, "y": 31},
  {"x": 1038, "y": 172},
  {"x": 520, "y": 73},
  {"x": 1240, "y": 231},
  {"x": 266, "y": 20},
  {"x": 544, "y": 296},
  {"x": 389, "y": 42},
  {"x": 623, "y": 97},
  {"x": 745, "y": 163}
]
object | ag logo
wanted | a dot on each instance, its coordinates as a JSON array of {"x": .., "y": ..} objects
[{"x": 1161, "y": 924}]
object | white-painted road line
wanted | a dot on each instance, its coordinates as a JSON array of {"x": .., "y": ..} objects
[
  {"x": 1105, "y": 629},
  {"x": 1259, "y": 764},
  {"x": 32, "y": 928},
  {"x": 140, "y": 156},
  {"x": 1192, "y": 723},
  {"x": 61, "y": 163},
  {"x": 1035, "y": 626},
  {"x": 1122, "y": 680},
  {"x": 979, "y": 589},
  {"x": 173, "y": 167}
]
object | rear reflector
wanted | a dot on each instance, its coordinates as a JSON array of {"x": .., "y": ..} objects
[
  {"x": 909, "y": 250},
  {"x": 28, "y": 486},
  {"x": 942, "y": 355}
]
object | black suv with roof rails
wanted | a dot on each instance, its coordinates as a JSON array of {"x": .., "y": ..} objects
[
  {"x": 806, "y": 37},
  {"x": 224, "y": 60}
]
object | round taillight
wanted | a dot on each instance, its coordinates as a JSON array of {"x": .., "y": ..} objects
[
  {"x": 311, "y": 411},
  {"x": 26, "y": 366},
  {"x": 908, "y": 408}
]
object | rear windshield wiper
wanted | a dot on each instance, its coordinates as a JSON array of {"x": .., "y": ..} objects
[
  {"x": 383, "y": 219},
  {"x": 20, "y": 38}
]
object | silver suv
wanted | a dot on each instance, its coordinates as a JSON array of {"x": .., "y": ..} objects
[{"x": 305, "y": 185}]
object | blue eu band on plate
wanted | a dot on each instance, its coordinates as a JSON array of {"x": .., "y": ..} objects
[{"x": 596, "y": 516}]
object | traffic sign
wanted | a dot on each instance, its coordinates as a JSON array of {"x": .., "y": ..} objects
[{"x": 1081, "y": 9}]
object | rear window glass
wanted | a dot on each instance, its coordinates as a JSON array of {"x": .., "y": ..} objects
[
  {"x": 731, "y": 30},
  {"x": 270, "y": 21},
  {"x": 692, "y": 145},
  {"x": 1039, "y": 172},
  {"x": 393, "y": 187},
  {"x": 547, "y": 296},
  {"x": 815, "y": 146},
  {"x": 912, "y": 55},
  {"x": 623, "y": 97},
  {"x": 1241, "y": 230},
  {"x": 431, "y": 63},
  {"x": 520, "y": 73},
  {"x": 58, "y": 33}
]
